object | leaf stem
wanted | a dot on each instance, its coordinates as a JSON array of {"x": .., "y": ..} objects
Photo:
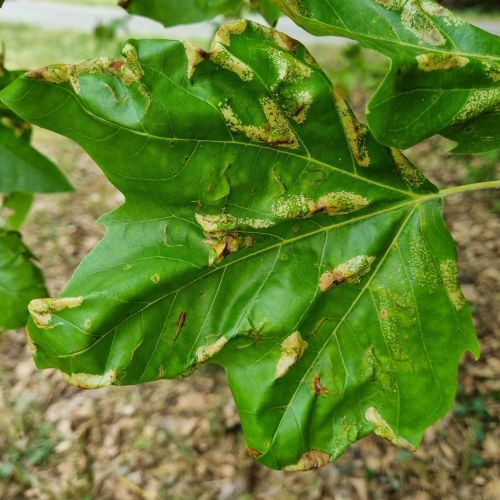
[{"x": 443, "y": 193}]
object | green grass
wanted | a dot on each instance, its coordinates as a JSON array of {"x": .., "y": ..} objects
[{"x": 27, "y": 47}]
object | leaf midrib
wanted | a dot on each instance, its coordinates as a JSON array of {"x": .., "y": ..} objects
[
  {"x": 148, "y": 135},
  {"x": 341, "y": 322},
  {"x": 418, "y": 201}
]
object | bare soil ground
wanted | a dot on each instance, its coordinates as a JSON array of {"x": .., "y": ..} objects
[{"x": 182, "y": 439}]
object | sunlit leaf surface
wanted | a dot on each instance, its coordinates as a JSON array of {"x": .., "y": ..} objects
[
  {"x": 264, "y": 230},
  {"x": 445, "y": 73}
]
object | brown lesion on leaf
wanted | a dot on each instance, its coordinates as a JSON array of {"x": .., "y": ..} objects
[
  {"x": 348, "y": 272},
  {"x": 317, "y": 386},
  {"x": 356, "y": 132},
  {"x": 180, "y": 324},
  {"x": 303, "y": 101},
  {"x": 194, "y": 56},
  {"x": 311, "y": 460},
  {"x": 223, "y": 236},
  {"x": 41, "y": 309},
  {"x": 384, "y": 313},
  {"x": 19, "y": 127},
  {"x": 219, "y": 54},
  {"x": 253, "y": 453},
  {"x": 220, "y": 246},
  {"x": 292, "y": 350}
]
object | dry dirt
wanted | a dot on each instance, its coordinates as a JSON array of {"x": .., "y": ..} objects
[{"x": 182, "y": 439}]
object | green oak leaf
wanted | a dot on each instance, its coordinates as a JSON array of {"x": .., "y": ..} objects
[
  {"x": 264, "y": 230},
  {"x": 14, "y": 208},
  {"x": 22, "y": 168},
  {"x": 173, "y": 12},
  {"x": 444, "y": 76},
  {"x": 267, "y": 9},
  {"x": 20, "y": 280},
  {"x": 23, "y": 172},
  {"x": 478, "y": 135}
]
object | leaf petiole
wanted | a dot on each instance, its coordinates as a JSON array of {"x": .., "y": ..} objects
[{"x": 478, "y": 186}]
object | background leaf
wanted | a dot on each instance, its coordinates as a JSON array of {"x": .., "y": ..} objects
[
  {"x": 173, "y": 12},
  {"x": 265, "y": 230},
  {"x": 23, "y": 171},
  {"x": 16, "y": 208},
  {"x": 444, "y": 74},
  {"x": 20, "y": 280},
  {"x": 22, "y": 168},
  {"x": 269, "y": 11}
]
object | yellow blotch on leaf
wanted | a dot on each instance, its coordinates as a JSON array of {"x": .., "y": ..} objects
[
  {"x": 436, "y": 61},
  {"x": 41, "y": 309},
  {"x": 220, "y": 223},
  {"x": 86, "y": 381},
  {"x": 449, "y": 274},
  {"x": 349, "y": 272},
  {"x": 334, "y": 203},
  {"x": 356, "y": 132},
  {"x": 275, "y": 132},
  {"x": 292, "y": 349},
  {"x": 384, "y": 430},
  {"x": 206, "y": 352},
  {"x": 312, "y": 459},
  {"x": 128, "y": 70}
]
